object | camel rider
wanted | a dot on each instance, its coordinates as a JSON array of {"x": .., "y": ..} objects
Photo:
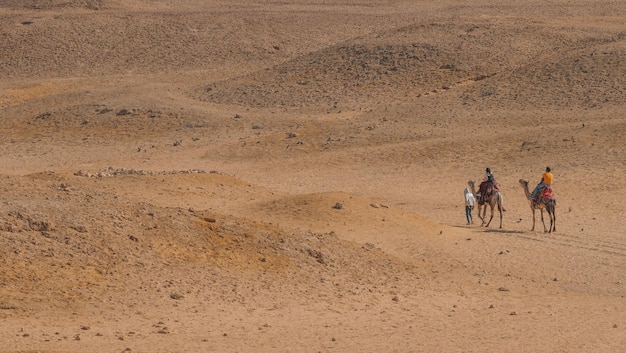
[
  {"x": 486, "y": 186},
  {"x": 488, "y": 175},
  {"x": 546, "y": 181}
]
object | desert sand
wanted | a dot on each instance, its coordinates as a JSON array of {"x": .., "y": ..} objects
[{"x": 260, "y": 176}]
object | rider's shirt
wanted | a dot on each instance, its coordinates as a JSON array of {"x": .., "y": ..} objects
[{"x": 547, "y": 178}]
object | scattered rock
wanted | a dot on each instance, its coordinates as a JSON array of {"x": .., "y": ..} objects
[
  {"x": 80, "y": 228},
  {"x": 43, "y": 116},
  {"x": 42, "y": 226},
  {"x": 317, "y": 255},
  {"x": 176, "y": 296}
]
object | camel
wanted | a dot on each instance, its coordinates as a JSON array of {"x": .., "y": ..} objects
[
  {"x": 493, "y": 200},
  {"x": 548, "y": 204}
]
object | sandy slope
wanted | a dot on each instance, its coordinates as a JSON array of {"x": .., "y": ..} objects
[{"x": 262, "y": 176}]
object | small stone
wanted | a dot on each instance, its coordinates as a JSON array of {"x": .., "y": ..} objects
[{"x": 176, "y": 296}]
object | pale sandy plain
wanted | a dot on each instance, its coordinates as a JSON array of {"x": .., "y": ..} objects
[{"x": 170, "y": 171}]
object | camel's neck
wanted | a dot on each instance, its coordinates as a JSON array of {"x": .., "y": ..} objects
[{"x": 526, "y": 191}]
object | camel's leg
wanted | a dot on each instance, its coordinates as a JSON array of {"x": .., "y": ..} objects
[
  {"x": 542, "y": 222},
  {"x": 533, "y": 228},
  {"x": 552, "y": 211},
  {"x": 490, "y": 214},
  {"x": 482, "y": 213},
  {"x": 500, "y": 208},
  {"x": 486, "y": 223},
  {"x": 485, "y": 215},
  {"x": 549, "y": 216}
]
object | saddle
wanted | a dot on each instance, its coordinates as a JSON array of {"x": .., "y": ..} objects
[
  {"x": 485, "y": 190},
  {"x": 544, "y": 195}
]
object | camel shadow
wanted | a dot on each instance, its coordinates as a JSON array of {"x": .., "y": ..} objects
[
  {"x": 489, "y": 230},
  {"x": 503, "y": 231}
]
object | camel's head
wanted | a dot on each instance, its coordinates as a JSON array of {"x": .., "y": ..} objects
[
  {"x": 523, "y": 183},
  {"x": 470, "y": 183}
]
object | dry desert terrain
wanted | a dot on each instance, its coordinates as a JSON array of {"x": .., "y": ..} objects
[{"x": 288, "y": 176}]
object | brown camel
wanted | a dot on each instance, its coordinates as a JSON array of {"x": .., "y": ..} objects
[
  {"x": 548, "y": 204},
  {"x": 492, "y": 200}
]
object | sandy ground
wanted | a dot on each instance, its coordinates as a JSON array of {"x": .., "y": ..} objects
[{"x": 206, "y": 176}]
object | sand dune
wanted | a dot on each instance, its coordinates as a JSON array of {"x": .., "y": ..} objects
[{"x": 207, "y": 176}]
